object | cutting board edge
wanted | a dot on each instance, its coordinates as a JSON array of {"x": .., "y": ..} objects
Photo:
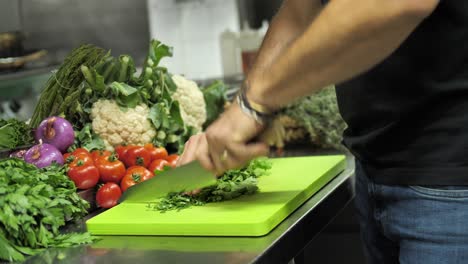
[
  {"x": 305, "y": 195},
  {"x": 103, "y": 230}
]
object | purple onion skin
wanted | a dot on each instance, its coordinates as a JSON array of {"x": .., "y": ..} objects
[
  {"x": 18, "y": 154},
  {"x": 42, "y": 155},
  {"x": 56, "y": 131}
]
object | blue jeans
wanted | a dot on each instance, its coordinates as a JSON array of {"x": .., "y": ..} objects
[{"x": 412, "y": 224}]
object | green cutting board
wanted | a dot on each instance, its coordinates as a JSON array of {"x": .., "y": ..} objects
[{"x": 290, "y": 183}]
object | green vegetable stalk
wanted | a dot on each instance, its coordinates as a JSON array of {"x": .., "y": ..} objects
[{"x": 65, "y": 82}]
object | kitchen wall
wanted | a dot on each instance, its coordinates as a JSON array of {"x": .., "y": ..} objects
[
  {"x": 193, "y": 28},
  {"x": 9, "y": 15},
  {"x": 60, "y": 25}
]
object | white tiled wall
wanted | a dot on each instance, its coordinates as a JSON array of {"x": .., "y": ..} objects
[{"x": 193, "y": 28}]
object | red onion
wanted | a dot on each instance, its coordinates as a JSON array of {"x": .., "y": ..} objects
[
  {"x": 56, "y": 131},
  {"x": 18, "y": 154},
  {"x": 42, "y": 155}
]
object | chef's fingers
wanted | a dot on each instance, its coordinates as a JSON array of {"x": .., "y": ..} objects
[
  {"x": 189, "y": 150},
  {"x": 217, "y": 152},
  {"x": 203, "y": 154},
  {"x": 242, "y": 154}
]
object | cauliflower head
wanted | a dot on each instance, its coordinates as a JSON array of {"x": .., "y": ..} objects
[
  {"x": 191, "y": 101},
  {"x": 115, "y": 126}
]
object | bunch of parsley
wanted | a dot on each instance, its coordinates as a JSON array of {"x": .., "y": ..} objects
[{"x": 34, "y": 205}]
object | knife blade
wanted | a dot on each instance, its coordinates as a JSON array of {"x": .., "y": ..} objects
[{"x": 188, "y": 177}]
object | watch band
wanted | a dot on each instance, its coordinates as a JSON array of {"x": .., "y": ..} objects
[{"x": 256, "y": 111}]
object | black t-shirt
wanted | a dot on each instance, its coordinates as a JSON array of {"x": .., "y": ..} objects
[{"x": 408, "y": 116}]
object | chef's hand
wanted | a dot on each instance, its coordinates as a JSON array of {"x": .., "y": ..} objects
[{"x": 225, "y": 144}]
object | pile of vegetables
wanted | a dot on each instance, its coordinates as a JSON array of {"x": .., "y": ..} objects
[
  {"x": 35, "y": 204},
  {"x": 109, "y": 104},
  {"x": 116, "y": 171},
  {"x": 98, "y": 124},
  {"x": 230, "y": 185}
]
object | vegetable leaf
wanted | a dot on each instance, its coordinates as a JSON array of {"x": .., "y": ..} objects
[
  {"x": 127, "y": 96},
  {"x": 157, "y": 51},
  {"x": 88, "y": 139},
  {"x": 215, "y": 98}
]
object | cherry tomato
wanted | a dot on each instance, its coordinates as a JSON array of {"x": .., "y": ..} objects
[
  {"x": 78, "y": 159},
  {"x": 172, "y": 159},
  {"x": 137, "y": 156},
  {"x": 110, "y": 169},
  {"x": 108, "y": 195},
  {"x": 135, "y": 175},
  {"x": 121, "y": 151},
  {"x": 97, "y": 154},
  {"x": 84, "y": 176},
  {"x": 158, "y": 165},
  {"x": 156, "y": 152}
]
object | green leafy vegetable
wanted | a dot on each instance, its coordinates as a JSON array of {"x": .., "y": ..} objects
[
  {"x": 230, "y": 185},
  {"x": 215, "y": 98},
  {"x": 35, "y": 204},
  {"x": 87, "y": 139},
  {"x": 320, "y": 116},
  {"x": 14, "y": 133}
]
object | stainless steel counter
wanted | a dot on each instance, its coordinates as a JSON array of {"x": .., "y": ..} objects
[{"x": 281, "y": 245}]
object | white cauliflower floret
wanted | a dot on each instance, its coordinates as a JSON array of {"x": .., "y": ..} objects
[
  {"x": 115, "y": 126},
  {"x": 191, "y": 101}
]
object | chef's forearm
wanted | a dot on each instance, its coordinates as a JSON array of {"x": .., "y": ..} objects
[
  {"x": 291, "y": 20},
  {"x": 347, "y": 38}
]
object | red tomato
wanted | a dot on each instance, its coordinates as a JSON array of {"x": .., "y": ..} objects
[
  {"x": 108, "y": 195},
  {"x": 172, "y": 159},
  {"x": 78, "y": 159},
  {"x": 66, "y": 156},
  {"x": 156, "y": 152},
  {"x": 97, "y": 154},
  {"x": 137, "y": 156},
  {"x": 158, "y": 165},
  {"x": 110, "y": 169},
  {"x": 81, "y": 150},
  {"x": 78, "y": 151},
  {"x": 134, "y": 175},
  {"x": 84, "y": 176},
  {"x": 121, "y": 151}
]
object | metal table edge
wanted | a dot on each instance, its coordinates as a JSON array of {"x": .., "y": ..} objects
[{"x": 343, "y": 181}]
